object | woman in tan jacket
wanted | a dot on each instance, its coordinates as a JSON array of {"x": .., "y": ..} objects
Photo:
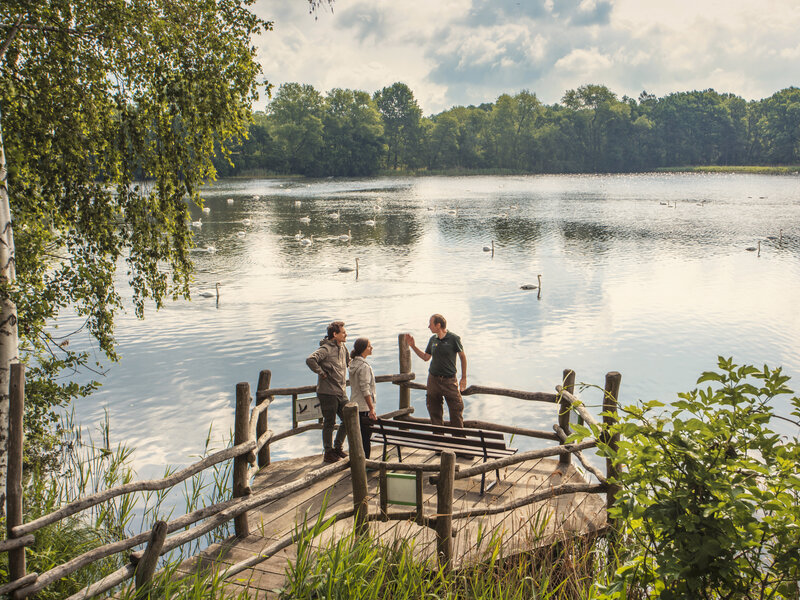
[{"x": 362, "y": 388}]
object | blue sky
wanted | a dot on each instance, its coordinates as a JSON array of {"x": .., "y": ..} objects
[{"x": 453, "y": 52}]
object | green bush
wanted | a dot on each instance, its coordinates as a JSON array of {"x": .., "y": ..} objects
[{"x": 709, "y": 505}]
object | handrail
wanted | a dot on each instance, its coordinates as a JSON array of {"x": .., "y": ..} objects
[
  {"x": 578, "y": 406},
  {"x": 514, "y": 459},
  {"x": 493, "y": 391},
  {"x": 136, "y": 486},
  {"x": 219, "y": 513},
  {"x": 397, "y": 378},
  {"x": 559, "y": 490},
  {"x": 562, "y": 435}
]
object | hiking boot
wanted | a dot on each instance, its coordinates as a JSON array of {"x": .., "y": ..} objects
[
  {"x": 340, "y": 453},
  {"x": 330, "y": 456}
]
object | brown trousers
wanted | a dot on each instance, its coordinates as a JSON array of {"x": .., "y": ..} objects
[{"x": 447, "y": 388}]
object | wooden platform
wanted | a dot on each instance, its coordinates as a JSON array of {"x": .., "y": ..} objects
[{"x": 521, "y": 529}]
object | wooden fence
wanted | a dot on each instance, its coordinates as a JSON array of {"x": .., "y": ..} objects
[{"x": 251, "y": 451}]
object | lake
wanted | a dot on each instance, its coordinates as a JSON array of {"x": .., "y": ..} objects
[{"x": 643, "y": 274}]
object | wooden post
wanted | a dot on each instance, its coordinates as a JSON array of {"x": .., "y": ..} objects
[
  {"x": 405, "y": 367},
  {"x": 264, "y": 378},
  {"x": 444, "y": 510},
  {"x": 241, "y": 434},
  {"x": 565, "y": 411},
  {"x": 358, "y": 466},
  {"x": 610, "y": 398},
  {"x": 382, "y": 482},
  {"x": 16, "y": 557},
  {"x": 147, "y": 564}
]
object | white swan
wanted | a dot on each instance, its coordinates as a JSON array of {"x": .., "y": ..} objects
[
  {"x": 209, "y": 294},
  {"x": 349, "y": 269},
  {"x": 198, "y": 223},
  {"x": 206, "y": 210},
  {"x": 229, "y": 201},
  {"x": 334, "y": 215},
  {"x": 241, "y": 234},
  {"x": 246, "y": 222},
  {"x": 211, "y": 249},
  {"x": 299, "y": 235},
  {"x": 305, "y": 220},
  {"x": 530, "y": 286},
  {"x": 298, "y": 203},
  {"x": 370, "y": 222},
  {"x": 345, "y": 237},
  {"x": 307, "y": 241}
]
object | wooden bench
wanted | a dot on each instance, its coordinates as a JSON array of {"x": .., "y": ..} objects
[{"x": 463, "y": 441}]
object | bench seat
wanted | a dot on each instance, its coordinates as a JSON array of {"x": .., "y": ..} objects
[{"x": 465, "y": 442}]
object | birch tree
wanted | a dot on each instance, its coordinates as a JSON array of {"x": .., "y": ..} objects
[{"x": 110, "y": 111}]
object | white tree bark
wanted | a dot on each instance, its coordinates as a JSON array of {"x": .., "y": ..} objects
[{"x": 9, "y": 346}]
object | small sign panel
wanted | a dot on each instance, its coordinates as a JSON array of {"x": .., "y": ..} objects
[
  {"x": 307, "y": 409},
  {"x": 401, "y": 488}
]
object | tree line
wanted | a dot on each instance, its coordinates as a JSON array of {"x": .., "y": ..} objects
[{"x": 350, "y": 133}]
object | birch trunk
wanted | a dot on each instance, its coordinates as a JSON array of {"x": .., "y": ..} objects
[{"x": 9, "y": 347}]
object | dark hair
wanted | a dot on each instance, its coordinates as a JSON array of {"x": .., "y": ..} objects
[
  {"x": 359, "y": 347},
  {"x": 439, "y": 320},
  {"x": 334, "y": 327}
]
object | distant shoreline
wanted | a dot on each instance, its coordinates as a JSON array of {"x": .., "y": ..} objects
[{"x": 751, "y": 169}]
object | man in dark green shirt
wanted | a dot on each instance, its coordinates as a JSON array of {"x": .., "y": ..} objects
[{"x": 442, "y": 349}]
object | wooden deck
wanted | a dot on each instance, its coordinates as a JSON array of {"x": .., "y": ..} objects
[{"x": 521, "y": 529}]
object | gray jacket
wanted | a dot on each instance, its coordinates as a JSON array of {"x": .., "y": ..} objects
[
  {"x": 362, "y": 383},
  {"x": 330, "y": 359}
]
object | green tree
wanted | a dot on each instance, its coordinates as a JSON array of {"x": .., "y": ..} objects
[
  {"x": 401, "y": 125},
  {"x": 709, "y": 505},
  {"x": 109, "y": 112},
  {"x": 296, "y": 117},
  {"x": 779, "y": 126},
  {"x": 352, "y": 134}
]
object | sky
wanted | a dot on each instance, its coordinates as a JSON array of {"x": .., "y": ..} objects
[{"x": 461, "y": 52}]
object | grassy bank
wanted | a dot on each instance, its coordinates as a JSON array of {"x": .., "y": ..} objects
[{"x": 755, "y": 169}]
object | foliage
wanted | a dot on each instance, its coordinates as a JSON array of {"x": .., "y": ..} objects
[
  {"x": 95, "y": 97},
  {"x": 89, "y": 467},
  {"x": 352, "y": 566},
  {"x": 710, "y": 495},
  {"x": 591, "y": 130}
]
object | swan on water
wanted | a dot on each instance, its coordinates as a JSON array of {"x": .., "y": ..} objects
[
  {"x": 530, "y": 286},
  {"x": 209, "y": 294},
  {"x": 297, "y": 203},
  {"x": 211, "y": 249},
  {"x": 345, "y": 237},
  {"x": 370, "y": 222},
  {"x": 246, "y": 222},
  {"x": 206, "y": 210},
  {"x": 334, "y": 215},
  {"x": 298, "y": 235},
  {"x": 307, "y": 241},
  {"x": 198, "y": 223},
  {"x": 349, "y": 269},
  {"x": 305, "y": 220},
  {"x": 229, "y": 201},
  {"x": 241, "y": 234}
]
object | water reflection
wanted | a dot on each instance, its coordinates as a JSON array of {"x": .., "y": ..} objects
[{"x": 647, "y": 275}]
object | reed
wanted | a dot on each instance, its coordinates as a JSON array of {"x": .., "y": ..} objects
[{"x": 354, "y": 566}]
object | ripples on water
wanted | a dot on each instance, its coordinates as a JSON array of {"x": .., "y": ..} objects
[{"x": 645, "y": 274}]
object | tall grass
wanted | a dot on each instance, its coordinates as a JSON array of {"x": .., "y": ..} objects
[
  {"x": 87, "y": 467},
  {"x": 366, "y": 567}
]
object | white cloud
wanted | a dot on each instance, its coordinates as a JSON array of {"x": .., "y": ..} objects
[{"x": 467, "y": 52}]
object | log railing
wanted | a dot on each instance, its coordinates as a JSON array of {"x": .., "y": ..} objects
[{"x": 252, "y": 443}]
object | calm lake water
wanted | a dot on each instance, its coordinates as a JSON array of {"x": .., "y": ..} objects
[{"x": 647, "y": 275}]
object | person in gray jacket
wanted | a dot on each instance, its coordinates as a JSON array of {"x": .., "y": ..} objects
[
  {"x": 330, "y": 362},
  {"x": 362, "y": 388}
]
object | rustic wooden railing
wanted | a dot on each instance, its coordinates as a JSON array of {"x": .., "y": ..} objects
[{"x": 252, "y": 441}]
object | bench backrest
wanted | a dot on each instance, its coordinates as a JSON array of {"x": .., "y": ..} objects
[{"x": 459, "y": 436}]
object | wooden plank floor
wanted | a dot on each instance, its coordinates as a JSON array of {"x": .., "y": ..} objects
[{"x": 520, "y": 529}]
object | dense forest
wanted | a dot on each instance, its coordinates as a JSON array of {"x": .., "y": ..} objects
[{"x": 350, "y": 133}]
